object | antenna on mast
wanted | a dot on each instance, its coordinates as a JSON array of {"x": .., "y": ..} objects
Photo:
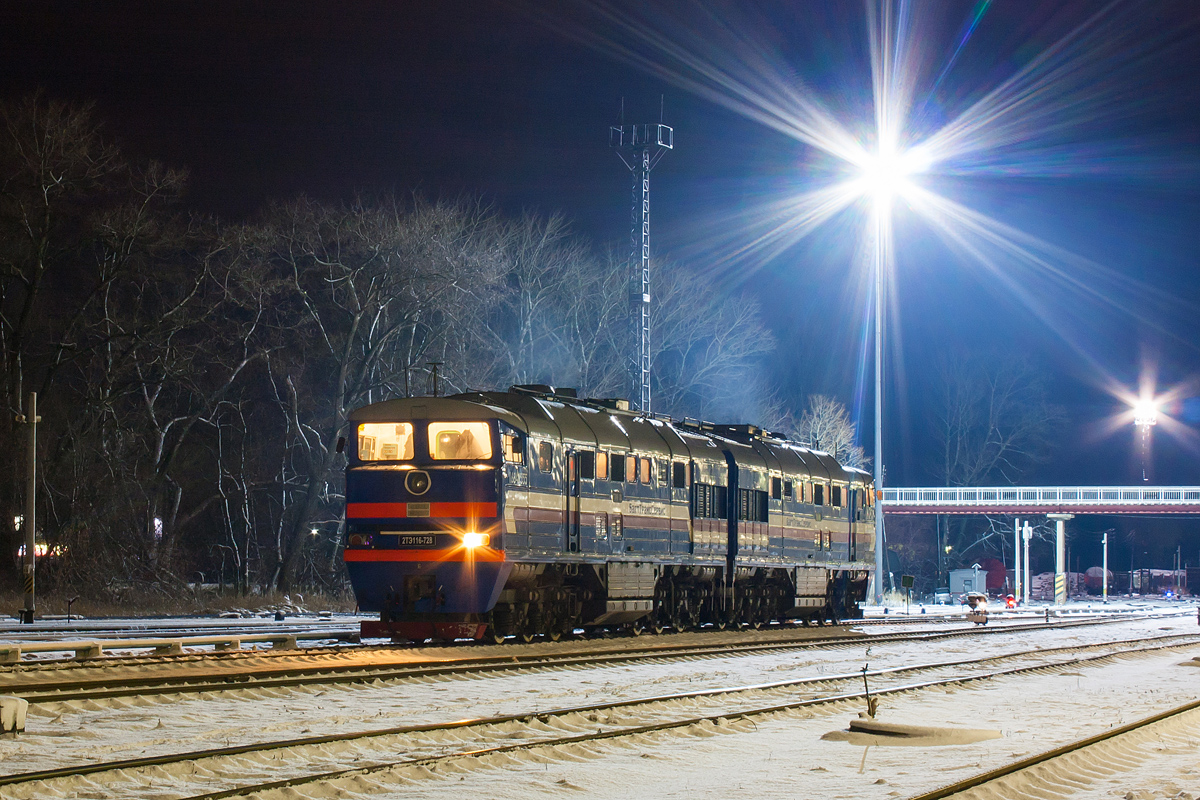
[{"x": 640, "y": 148}]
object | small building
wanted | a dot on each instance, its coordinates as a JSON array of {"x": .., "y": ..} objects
[{"x": 967, "y": 580}]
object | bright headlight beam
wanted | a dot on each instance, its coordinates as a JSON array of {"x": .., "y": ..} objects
[{"x": 473, "y": 540}]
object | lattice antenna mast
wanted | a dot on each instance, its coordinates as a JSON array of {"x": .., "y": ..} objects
[{"x": 640, "y": 147}]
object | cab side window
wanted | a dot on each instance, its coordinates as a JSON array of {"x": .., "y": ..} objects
[
  {"x": 602, "y": 465},
  {"x": 513, "y": 447},
  {"x": 545, "y": 458}
]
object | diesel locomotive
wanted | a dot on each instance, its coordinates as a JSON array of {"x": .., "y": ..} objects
[{"x": 534, "y": 512}]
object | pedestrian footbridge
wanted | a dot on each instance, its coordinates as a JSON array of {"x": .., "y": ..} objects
[{"x": 1043, "y": 500}]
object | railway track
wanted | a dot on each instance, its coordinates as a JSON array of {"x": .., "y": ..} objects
[
  {"x": 121, "y": 659},
  {"x": 1085, "y": 761},
  {"x": 322, "y": 759},
  {"x": 304, "y": 670},
  {"x": 349, "y": 639}
]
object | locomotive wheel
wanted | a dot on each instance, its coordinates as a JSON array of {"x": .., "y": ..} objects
[
  {"x": 720, "y": 625},
  {"x": 494, "y": 635},
  {"x": 525, "y": 636},
  {"x": 635, "y": 628},
  {"x": 681, "y": 618},
  {"x": 658, "y": 628}
]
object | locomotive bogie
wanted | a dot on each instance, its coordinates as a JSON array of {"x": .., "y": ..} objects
[{"x": 534, "y": 513}]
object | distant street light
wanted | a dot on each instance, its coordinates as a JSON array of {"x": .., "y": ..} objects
[{"x": 1145, "y": 413}]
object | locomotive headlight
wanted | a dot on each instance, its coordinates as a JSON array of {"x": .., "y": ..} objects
[{"x": 473, "y": 540}]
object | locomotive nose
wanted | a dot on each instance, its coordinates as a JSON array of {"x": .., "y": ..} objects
[{"x": 417, "y": 482}]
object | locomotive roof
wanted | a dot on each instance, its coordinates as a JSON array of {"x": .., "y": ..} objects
[{"x": 597, "y": 423}]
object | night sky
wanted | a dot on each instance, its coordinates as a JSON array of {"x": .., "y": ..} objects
[{"x": 511, "y": 101}]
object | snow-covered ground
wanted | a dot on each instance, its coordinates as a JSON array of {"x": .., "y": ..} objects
[{"x": 783, "y": 756}]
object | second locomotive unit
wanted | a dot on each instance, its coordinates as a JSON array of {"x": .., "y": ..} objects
[{"x": 533, "y": 512}]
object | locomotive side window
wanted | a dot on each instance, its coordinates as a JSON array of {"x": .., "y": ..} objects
[
  {"x": 776, "y": 488},
  {"x": 459, "y": 441},
  {"x": 752, "y": 505},
  {"x": 513, "y": 447},
  {"x": 679, "y": 475},
  {"x": 545, "y": 456},
  {"x": 617, "y": 464},
  {"x": 587, "y": 464},
  {"x": 645, "y": 471},
  {"x": 631, "y": 469},
  {"x": 602, "y": 465},
  {"x": 835, "y": 496},
  {"x": 709, "y": 501},
  {"x": 787, "y": 489},
  {"x": 818, "y": 494},
  {"x": 385, "y": 441}
]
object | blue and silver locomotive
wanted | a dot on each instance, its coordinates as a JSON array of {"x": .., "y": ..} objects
[{"x": 533, "y": 512}]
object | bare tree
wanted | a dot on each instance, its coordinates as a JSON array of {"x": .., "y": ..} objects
[
  {"x": 827, "y": 426},
  {"x": 376, "y": 290},
  {"x": 707, "y": 349},
  {"x": 993, "y": 419}
]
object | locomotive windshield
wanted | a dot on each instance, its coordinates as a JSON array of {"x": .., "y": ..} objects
[
  {"x": 459, "y": 441},
  {"x": 385, "y": 441}
]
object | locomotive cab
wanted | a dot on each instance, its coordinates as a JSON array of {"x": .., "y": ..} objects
[{"x": 424, "y": 540}]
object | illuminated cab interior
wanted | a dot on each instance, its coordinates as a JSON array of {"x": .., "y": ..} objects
[
  {"x": 447, "y": 441},
  {"x": 458, "y": 441}
]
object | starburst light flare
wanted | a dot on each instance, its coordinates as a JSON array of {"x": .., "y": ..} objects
[{"x": 884, "y": 157}]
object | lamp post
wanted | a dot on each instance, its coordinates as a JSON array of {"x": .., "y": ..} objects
[
  {"x": 1026, "y": 534},
  {"x": 884, "y": 174},
  {"x": 1105, "y": 567},
  {"x": 1017, "y": 558},
  {"x": 1145, "y": 414},
  {"x": 880, "y": 538}
]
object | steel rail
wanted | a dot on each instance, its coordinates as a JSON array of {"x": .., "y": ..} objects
[
  {"x": 1032, "y": 761},
  {"x": 164, "y": 657},
  {"x": 102, "y": 687},
  {"x": 642, "y": 729},
  {"x": 481, "y": 722}
]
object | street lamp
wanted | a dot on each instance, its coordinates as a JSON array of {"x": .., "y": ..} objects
[{"x": 883, "y": 175}]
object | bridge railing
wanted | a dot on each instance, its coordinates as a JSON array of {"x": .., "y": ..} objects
[{"x": 1034, "y": 496}]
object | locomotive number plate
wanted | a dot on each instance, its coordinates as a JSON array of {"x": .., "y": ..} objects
[{"x": 415, "y": 540}]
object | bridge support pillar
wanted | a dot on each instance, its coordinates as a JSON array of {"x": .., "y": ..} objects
[{"x": 1060, "y": 551}]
